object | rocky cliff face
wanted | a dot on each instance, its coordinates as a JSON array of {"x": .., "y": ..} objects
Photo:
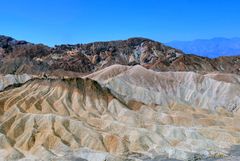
[{"x": 23, "y": 57}]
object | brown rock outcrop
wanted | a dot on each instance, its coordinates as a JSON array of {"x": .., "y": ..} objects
[{"x": 23, "y": 57}]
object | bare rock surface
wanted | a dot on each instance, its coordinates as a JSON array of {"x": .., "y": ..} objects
[
  {"x": 8, "y": 80},
  {"x": 210, "y": 91},
  {"x": 76, "y": 103},
  {"x": 79, "y": 119}
]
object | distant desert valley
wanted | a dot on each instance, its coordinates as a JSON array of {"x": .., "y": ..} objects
[{"x": 134, "y": 100}]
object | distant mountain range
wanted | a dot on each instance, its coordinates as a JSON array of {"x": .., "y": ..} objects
[{"x": 209, "y": 47}]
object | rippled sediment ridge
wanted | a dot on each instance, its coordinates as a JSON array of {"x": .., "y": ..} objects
[{"x": 67, "y": 119}]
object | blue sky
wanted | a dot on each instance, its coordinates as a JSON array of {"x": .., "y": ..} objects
[{"x": 81, "y": 21}]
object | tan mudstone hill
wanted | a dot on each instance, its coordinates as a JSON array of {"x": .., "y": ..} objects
[
  {"x": 127, "y": 113},
  {"x": 207, "y": 91}
]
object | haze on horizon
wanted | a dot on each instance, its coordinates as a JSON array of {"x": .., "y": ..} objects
[{"x": 77, "y": 21}]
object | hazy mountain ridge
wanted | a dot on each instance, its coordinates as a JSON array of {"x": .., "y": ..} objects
[{"x": 210, "y": 47}]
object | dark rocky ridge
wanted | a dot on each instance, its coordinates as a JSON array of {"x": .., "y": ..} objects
[{"x": 23, "y": 57}]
